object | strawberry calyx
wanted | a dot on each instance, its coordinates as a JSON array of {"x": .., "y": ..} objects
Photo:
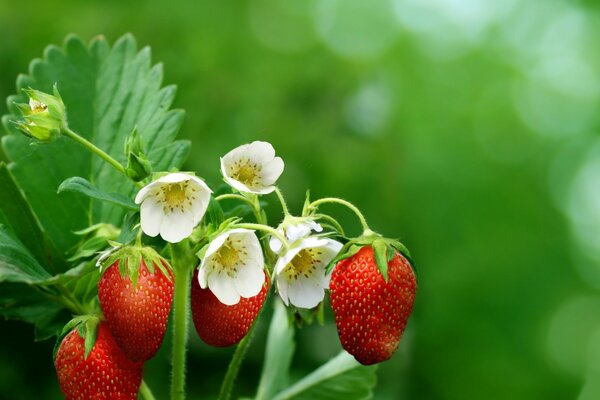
[
  {"x": 384, "y": 250},
  {"x": 129, "y": 260},
  {"x": 87, "y": 329}
]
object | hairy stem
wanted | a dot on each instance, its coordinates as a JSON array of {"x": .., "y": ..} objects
[
  {"x": 284, "y": 207},
  {"x": 233, "y": 196},
  {"x": 183, "y": 262},
  {"x": 264, "y": 228},
  {"x": 96, "y": 150},
  {"x": 345, "y": 203}
]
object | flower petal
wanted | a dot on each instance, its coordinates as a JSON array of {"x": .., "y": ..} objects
[
  {"x": 176, "y": 226},
  {"x": 286, "y": 258},
  {"x": 214, "y": 246},
  {"x": 271, "y": 171},
  {"x": 174, "y": 177},
  {"x": 141, "y": 195},
  {"x": 282, "y": 289},
  {"x": 151, "y": 216},
  {"x": 260, "y": 152},
  {"x": 203, "y": 273},
  {"x": 305, "y": 293},
  {"x": 223, "y": 287},
  {"x": 249, "y": 280}
]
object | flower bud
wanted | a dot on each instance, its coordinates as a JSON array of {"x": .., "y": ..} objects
[
  {"x": 44, "y": 115},
  {"x": 138, "y": 165}
]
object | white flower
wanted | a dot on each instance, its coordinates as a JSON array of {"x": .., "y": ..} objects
[
  {"x": 300, "y": 272},
  {"x": 173, "y": 205},
  {"x": 294, "y": 229},
  {"x": 252, "y": 168},
  {"x": 233, "y": 266}
]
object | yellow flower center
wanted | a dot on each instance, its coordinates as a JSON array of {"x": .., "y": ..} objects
[
  {"x": 303, "y": 263},
  {"x": 37, "y": 106},
  {"x": 175, "y": 196},
  {"x": 228, "y": 255},
  {"x": 246, "y": 172}
]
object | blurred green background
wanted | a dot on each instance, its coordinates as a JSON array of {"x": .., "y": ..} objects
[{"x": 468, "y": 128}]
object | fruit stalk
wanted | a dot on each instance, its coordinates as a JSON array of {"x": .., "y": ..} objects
[
  {"x": 96, "y": 150},
  {"x": 235, "y": 363},
  {"x": 352, "y": 207},
  {"x": 182, "y": 262}
]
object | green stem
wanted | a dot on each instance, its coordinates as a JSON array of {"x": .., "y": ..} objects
[
  {"x": 96, "y": 150},
  {"x": 235, "y": 364},
  {"x": 232, "y": 196},
  {"x": 145, "y": 391},
  {"x": 183, "y": 262},
  {"x": 264, "y": 228},
  {"x": 284, "y": 207},
  {"x": 351, "y": 206},
  {"x": 336, "y": 225}
]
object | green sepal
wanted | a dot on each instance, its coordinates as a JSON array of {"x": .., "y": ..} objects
[
  {"x": 129, "y": 260},
  {"x": 91, "y": 334},
  {"x": 347, "y": 251},
  {"x": 400, "y": 248},
  {"x": 380, "y": 250},
  {"x": 87, "y": 329},
  {"x": 306, "y": 207}
]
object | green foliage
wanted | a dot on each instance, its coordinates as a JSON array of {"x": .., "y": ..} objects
[
  {"x": 341, "y": 378},
  {"x": 16, "y": 262},
  {"x": 107, "y": 92},
  {"x": 80, "y": 185},
  {"x": 278, "y": 355},
  {"x": 22, "y": 302}
]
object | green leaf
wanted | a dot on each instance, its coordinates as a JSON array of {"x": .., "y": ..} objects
[
  {"x": 107, "y": 92},
  {"x": 80, "y": 185},
  {"x": 380, "y": 252},
  {"x": 16, "y": 214},
  {"x": 341, "y": 378},
  {"x": 278, "y": 355},
  {"x": 21, "y": 302},
  {"x": 16, "y": 262}
]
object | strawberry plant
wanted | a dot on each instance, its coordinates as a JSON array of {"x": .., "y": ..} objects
[{"x": 105, "y": 243}]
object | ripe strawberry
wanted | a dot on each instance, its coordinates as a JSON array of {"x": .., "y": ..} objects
[
  {"x": 220, "y": 325},
  {"x": 370, "y": 313},
  {"x": 105, "y": 374},
  {"x": 137, "y": 314}
]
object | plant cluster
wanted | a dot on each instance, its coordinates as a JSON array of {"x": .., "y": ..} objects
[{"x": 158, "y": 241}]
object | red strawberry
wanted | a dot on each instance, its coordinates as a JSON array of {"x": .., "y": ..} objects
[
  {"x": 218, "y": 324},
  {"x": 371, "y": 314},
  {"x": 105, "y": 374},
  {"x": 136, "y": 315}
]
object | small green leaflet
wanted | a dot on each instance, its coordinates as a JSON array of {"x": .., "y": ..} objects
[
  {"x": 81, "y": 185},
  {"x": 341, "y": 378}
]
